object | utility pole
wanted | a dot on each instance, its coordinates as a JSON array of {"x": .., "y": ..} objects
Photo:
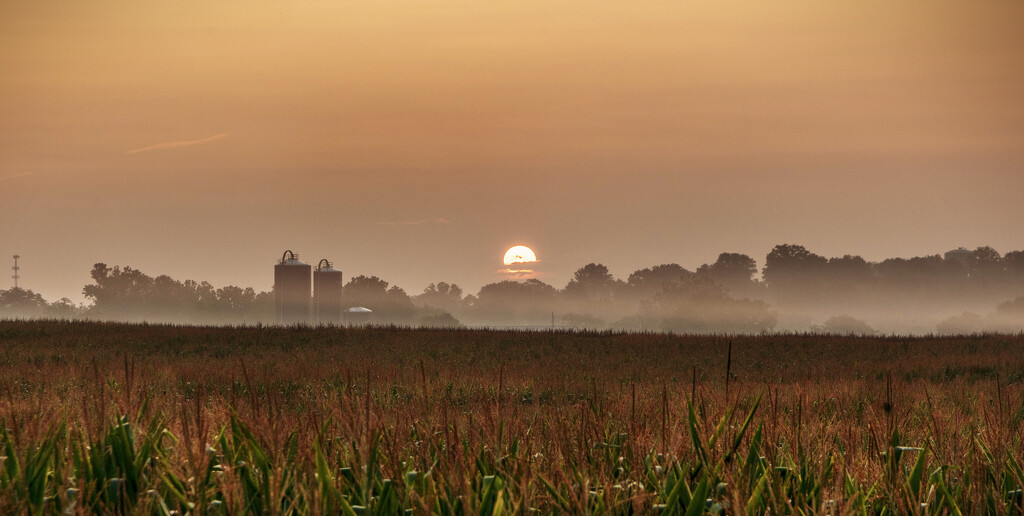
[{"x": 16, "y": 269}]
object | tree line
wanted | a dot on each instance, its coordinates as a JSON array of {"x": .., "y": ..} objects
[{"x": 724, "y": 296}]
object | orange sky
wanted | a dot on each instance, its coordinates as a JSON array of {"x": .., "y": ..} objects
[{"x": 416, "y": 141}]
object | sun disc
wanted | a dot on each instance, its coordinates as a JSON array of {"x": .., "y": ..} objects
[{"x": 519, "y": 254}]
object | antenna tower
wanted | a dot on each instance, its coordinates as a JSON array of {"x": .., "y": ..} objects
[{"x": 16, "y": 269}]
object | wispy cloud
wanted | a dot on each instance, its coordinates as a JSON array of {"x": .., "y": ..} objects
[
  {"x": 440, "y": 220},
  {"x": 15, "y": 176},
  {"x": 517, "y": 273},
  {"x": 176, "y": 145}
]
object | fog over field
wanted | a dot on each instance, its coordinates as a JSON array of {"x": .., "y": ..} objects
[{"x": 796, "y": 290}]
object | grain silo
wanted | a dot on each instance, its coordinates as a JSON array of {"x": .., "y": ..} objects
[
  {"x": 291, "y": 290},
  {"x": 327, "y": 293}
]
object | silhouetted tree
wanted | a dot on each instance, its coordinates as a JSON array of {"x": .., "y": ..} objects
[
  {"x": 366, "y": 291},
  {"x": 174, "y": 300},
  {"x": 848, "y": 281},
  {"x": 262, "y": 308},
  {"x": 914, "y": 273},
  {"x": 19, "y": 303},
  {"x": 652, "y": 281},
  {"x": 850, "y": 270},
  {"x": 235, "y": 302},
  {"x": 734, "y": 272},
  {"x": 389, "y": 304},
  {"x": 698, "y": 304},
  {"x": 1014, "y": 262},
  {"x": 446, "y": 296},
  {"x": 128, "y": 294},
  {"x": 925, "y": 282},
  {"x": 119, "y": 293},
  {"x": 63, "y": 308},
  {"x": 515, "y": 302},
  {"x": 986, "y": 267},
  {"x": 431, "y": 317},
  {"x": 594, "y": 291},
  {"x": 592, "y": 283},
  {"x": 793, "y": 274}
]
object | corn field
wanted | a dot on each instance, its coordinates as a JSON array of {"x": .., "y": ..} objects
[{"x": 106, "y": 418}]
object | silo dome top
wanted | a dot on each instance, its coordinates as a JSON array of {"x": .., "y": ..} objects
[
  {"x": 290, "y": 258},
  {"x": 325, "y": 266}
]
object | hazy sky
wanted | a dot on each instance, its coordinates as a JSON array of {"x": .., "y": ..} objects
[{"x": 417, "y": 141}]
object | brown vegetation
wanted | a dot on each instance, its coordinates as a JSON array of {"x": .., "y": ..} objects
[{"x": 450, "y": 421}]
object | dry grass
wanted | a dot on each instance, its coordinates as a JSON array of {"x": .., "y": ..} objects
[{"x": 277, "y": 420}]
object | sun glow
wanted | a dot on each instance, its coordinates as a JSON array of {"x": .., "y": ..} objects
[{"x": 519, "y": 254}]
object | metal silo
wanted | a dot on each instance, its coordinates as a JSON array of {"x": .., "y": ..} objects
[
  {"x": 327, "y": 293},
  {"x": 291, "y": 290}
]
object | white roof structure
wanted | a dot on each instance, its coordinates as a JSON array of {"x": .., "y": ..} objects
[{"x": 359, "y": 310}]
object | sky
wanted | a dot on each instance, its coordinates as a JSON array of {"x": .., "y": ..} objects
[{"x": 417, "y": 141}]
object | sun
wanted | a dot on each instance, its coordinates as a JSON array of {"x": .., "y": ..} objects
[{"x": 519, "y": 254}]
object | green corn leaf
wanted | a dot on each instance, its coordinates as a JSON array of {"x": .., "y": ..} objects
[
  {"x": 753, "y": 461},
  {"x": 720, "y": 428},
  {"x": 292, "y": 448},
  {"x": 559, "y": 499},
  {"x": 328, "y": 492},
  {"x": 698, "y": 500},
  {"x": 756, "y": 503},
  {"x": 743, "y": 429},
  {"x": 695, "y": 434},
  {"x": 918, "y": 473},
  {"x": 679, "y": 493},
  {"x": 175, "y": 488}
]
